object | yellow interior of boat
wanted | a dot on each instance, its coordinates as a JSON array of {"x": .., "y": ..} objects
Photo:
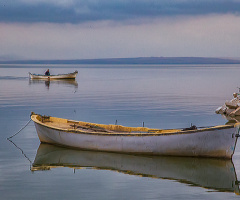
[
  {"x": 69, "y": 125},
  {"x": 66, "y": 124}
]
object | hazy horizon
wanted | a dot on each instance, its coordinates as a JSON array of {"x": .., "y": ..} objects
[{"x": 137, "y": 60}]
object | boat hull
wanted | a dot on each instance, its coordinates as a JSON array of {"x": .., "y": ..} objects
[
  {"x": 54, "y": 77},
  {"x": 208, "y": 143}
]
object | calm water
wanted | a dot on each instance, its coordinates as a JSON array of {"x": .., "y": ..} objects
[{"x": 159, "y": 96}]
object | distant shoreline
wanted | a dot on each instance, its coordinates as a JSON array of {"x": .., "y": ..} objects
[{"x": 138, "y": 60}]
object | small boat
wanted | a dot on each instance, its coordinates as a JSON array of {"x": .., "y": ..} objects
[
  {"x": 209, "y": 173},
  {"x": 54, "y": 77},
  {"x": 217, "y": 141}
]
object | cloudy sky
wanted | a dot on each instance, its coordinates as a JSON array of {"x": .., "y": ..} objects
[{"x": 83, "y": 29}]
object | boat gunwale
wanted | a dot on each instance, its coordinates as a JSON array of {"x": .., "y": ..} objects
[{"x": 134, "y": 134}]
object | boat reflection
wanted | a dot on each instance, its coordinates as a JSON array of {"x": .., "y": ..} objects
[
  {"x": 216, "y": 174},
  {"x": 72, "y": 82}
]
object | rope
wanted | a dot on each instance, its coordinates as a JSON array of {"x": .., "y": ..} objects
[
  {"x": 21, "y": 151},
  {"x": 20, "y": 130}
]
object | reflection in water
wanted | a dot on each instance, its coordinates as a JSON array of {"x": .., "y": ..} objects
[
  {"x": 72, "y": 82},
  {"x": 47, "y": 84},
  {"x": 215, "y": 174},
  {"x": 21, "y": 151}
]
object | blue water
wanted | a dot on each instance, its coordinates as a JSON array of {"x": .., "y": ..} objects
[{"x": 161, "y": 96}]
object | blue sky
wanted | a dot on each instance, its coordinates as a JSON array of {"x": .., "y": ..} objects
[{"x": 76, "y": 29}]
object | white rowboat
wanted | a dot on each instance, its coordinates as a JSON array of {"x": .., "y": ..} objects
[
  {"x": 217, "y": 141},
  {"x": 54, "y": 77}
]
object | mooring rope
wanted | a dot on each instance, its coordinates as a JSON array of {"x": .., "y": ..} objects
[
  {"x": 21, "y": 151},
  {"x": 20, "y": 130}
]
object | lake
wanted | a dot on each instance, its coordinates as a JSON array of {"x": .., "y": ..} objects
[{"x": 160, "y": 96}]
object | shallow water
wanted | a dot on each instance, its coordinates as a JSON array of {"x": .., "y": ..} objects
[{"x": 171, "y": 96}]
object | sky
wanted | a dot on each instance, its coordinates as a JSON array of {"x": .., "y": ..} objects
[{"x": 88, "y": 29}]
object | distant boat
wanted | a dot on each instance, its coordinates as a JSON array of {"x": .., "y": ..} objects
[
  {"x": 214, "y": 174},
  {"x": 217, "y": 141},
  {"x": 54, "y": 77}
]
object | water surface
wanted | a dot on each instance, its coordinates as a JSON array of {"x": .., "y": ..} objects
[{"x": 171, "y": 96}]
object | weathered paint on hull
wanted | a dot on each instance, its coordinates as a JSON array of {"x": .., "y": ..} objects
[{"x": 213, "y": 143}]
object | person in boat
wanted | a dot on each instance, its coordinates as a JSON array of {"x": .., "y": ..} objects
[{"x": 47, "y": 73}]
